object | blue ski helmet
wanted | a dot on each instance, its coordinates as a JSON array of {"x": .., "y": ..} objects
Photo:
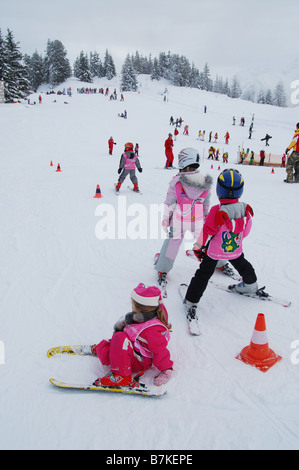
[{"x": 230, "y": 184}]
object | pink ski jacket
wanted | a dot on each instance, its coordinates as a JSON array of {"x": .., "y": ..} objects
[{"x": 150, "y": 339}]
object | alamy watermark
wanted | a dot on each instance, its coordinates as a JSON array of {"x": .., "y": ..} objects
[
  {"x": 295, "y": 94},
  {"x": 295, "y": 354},
  {"x": 148, "y": 222}
]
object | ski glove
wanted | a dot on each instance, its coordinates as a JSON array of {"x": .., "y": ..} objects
[
  {"x": 199, "y": 252},
  {"x": 221, "y": 218},
  {"x": 163, "y": 377},
  {"x": 140, "y": 170},
  {"x": 119, "y": 171}
]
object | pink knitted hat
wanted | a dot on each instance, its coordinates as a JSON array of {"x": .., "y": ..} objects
[{"x": 147, "y": 295}]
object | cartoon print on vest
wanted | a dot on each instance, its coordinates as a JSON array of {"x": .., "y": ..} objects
[{"x": 230, "y": 242}]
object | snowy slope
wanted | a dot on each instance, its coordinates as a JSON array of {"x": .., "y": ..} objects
[{"x": 61, "y": 284}]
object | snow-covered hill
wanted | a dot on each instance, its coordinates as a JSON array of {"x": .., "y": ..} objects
[
  {"x": 255, "y": 79},
  {"x": 60, "y": 283}
]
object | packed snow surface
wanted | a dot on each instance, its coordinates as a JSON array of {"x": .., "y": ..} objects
[{"x": 66, "y": 276}]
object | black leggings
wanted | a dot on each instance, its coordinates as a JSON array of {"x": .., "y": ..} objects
[{"x": 206, "y": 269}]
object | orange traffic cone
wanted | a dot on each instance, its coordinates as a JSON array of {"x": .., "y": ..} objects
[
  {"x": 98, "y": 193},
  {"x": 58, "y": 168},
  {"x": 51, "y": 163},
  {"x": 272, "y": 172},
  {"x": 258, "y": 353}
]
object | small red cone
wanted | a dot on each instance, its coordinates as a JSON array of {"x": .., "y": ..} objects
[
  {"x": 218, "y": 167},
  {"x": 211, "y": 166},
  {"x": 51, "y": 164},
  {"x": 272, "y": 172},
  {"x": 98, "y": 193},
  {"x": 58, "y": 168},
  {"x": 258, "y": 353}
]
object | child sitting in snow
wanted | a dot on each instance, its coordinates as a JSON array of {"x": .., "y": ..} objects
[{"x": 139, "y": 341}]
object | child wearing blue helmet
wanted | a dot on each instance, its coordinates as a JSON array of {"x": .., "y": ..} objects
[{"x": 221, "y": 238}]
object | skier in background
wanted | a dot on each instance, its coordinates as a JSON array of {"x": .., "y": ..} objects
[
  {"x": 168, "y": 144},
  {"x": 127, "y": 166},
  {"x": 110, "y": 145},
  {"x": 267, "y": 138}
]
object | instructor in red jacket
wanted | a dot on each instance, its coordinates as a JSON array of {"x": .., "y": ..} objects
[{"x": 168, "y": 151}]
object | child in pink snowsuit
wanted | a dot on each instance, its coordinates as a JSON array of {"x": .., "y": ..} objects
[{"x": 140, "y": 340}]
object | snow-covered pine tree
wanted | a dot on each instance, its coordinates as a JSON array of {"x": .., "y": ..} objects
[
  {"x": 156, "y": 72},
  {"x": 181, "y": 70},
  {"x": 194, "y": 77},
  {"x": 279, "y": 98},
  {"x": 261, "y": 97},
  {"x": 14, "y": 73},
  {"x": 128, "y": 75},
  {"x": 56, "y": 63},
  {"x": 206, "y": 83},
  {"x": 235, "y": 90},
  {"x": 268, "y": 97},
  {"x": 2, "y": 56},
  {"x": 81, "y": 68},
  {"x": 95, "y": 65},
  {"x": 109, "y": 67},
  {"x": 34, "y": 66}
]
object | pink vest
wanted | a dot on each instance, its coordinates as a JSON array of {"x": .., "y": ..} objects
[
  {"x": 134, "y": 331},
  {"x": 130, "y": 162},
  {"x": 189, "y": 210},
  {"x": 227, "y": 243}
]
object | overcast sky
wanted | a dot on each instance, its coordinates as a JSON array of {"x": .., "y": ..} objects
[{"x": 228, "y": 34}]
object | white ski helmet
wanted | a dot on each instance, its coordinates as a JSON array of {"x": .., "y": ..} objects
[{"x": 188, "y": 157}]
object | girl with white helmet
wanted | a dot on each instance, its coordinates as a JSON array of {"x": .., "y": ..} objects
[{"x": 186, "y": 206}]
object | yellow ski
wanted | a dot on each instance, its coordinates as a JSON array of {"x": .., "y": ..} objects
[
  {"x": 78, "y": 350},
  {"x": 140, "y": 390}
]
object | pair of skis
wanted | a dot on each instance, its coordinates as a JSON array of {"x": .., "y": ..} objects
[
  {"x": 128, "y": 187},
  {"x": 86, "y": 350},
  {"x": 261, "y": 294}
]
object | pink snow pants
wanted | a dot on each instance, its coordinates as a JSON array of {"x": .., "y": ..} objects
[{"x": 120, "y": 355}]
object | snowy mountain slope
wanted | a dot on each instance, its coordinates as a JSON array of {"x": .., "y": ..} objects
[{"x": 61, "y": 284}]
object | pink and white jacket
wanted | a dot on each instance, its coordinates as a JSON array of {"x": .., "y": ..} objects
[
  {"x": 150, "y": 339},
  {"x": 188, "y": 197},
  {"x": 226, "y": 225}
]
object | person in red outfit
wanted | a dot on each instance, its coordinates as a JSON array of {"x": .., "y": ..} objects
[
  {"x": 168, "y": 151},
  {"x": 110, "y": 145}
]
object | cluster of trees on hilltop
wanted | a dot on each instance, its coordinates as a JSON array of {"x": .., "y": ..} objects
[{"x": 23, "y": 73}]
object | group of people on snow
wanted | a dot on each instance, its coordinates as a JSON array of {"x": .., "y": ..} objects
[{"x": 140, "y": 338}]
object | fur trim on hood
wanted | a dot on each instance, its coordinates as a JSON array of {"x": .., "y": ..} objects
[{"x": 196, "y": 180}]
